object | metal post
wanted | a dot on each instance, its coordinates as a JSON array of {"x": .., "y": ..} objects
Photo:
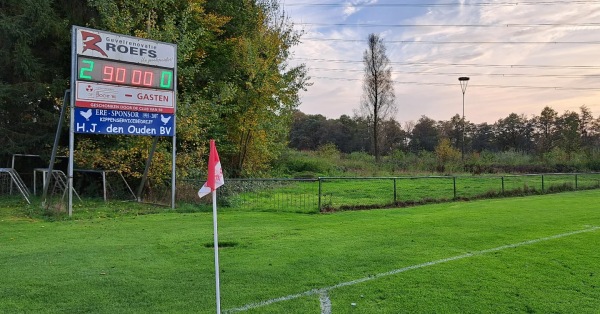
[
  {"x": 575, "y": 181},
  {"x": 47, "y": 176},
  {"x": 72, "y": 120},
  {"x": 502, "y": 184},
  {"x": 103, "y": 184},
  {"x": 463, "y": 86},
  {"x": 148, "y": 163},
  {"x": 320, "y": 194},
  {"x": 395, "y": 195},
  {"x": 542, "y": 184},
  {"x": 174, "y": 163},
  {"x": 454, "y": 180}
]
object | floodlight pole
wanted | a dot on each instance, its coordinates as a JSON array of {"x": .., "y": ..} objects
[{"x": 463, "y": 86}]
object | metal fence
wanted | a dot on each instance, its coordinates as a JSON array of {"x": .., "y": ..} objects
[{"x": 335, "y": 193}]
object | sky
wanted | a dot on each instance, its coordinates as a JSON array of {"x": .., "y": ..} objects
[{"x": 520, "y": 56}]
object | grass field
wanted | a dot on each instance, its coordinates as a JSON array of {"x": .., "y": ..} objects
[
  {"x": 537, "y": 254},
  {"x": 352, "y": 192}
]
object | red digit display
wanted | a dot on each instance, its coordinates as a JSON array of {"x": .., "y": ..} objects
[
  {"x": 122, "y": 73},
  {"x": 136, "y": 79},
  {"x": 108, "y": 74},
  {"x": 120, "y": 78},
  {"x": 148, "y": 78}
]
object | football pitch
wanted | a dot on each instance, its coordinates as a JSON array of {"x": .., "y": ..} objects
[{"x": 537, "y": 254}]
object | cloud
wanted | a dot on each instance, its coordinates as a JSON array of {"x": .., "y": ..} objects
[
  {"x": 429, "y": 73},
  {"x": 353, "y": 7}
]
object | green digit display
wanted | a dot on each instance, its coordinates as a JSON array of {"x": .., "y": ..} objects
[
  {"x": 165, "y": 79},
  {"x": 88, "y": 69}
]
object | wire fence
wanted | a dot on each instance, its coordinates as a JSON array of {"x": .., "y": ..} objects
[{"x": 342, "y": 193}]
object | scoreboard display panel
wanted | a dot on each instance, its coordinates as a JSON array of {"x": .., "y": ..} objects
[{"x": 123, "y": 73}]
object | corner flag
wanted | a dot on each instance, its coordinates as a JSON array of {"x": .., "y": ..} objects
[
  {"x": 215, "y": 173},
  {"x": 214, "y": 180}
]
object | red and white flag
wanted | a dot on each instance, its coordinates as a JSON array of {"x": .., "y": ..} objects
[{"x": 215, "y": 173}]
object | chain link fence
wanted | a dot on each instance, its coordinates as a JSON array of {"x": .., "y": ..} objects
[{"x": 343, "y": 193}]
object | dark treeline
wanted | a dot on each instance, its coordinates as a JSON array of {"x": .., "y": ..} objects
[{"x": 547, "y": 137}]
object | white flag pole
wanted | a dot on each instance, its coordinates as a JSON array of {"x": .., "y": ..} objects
[{"x": 216, "y": 239}]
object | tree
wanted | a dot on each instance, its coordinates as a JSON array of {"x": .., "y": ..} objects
[
  {"x": 514, "y": 132},
  {"x": 392, "y": 136},
  {"x": 546, "y": 129},
  {"x": 569, "y": 132},
  {"x": 345, "y": 133},
  {"x": 586, "y": 126},
  {"x": 378, "y": 100},
  {"x": 445, "y": 154},
  {"x": 483, "y": 138},
  {"x": 424, "y": 135},
  {"x": 34, "y": 71},
  {"x": 260, "y": 90},
  {"x": 307, "y": 132},
  {"x": 452, "y": 130}
]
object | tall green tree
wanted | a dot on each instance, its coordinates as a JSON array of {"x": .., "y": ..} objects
[
  {"x": 546, "y": 127},
  {"x": 34, "y": 72},
  {"x": 308, "y": 131},
  {"x": 483, "y": 138},
  {"x": 262, "y": 89},
  {"x": 569, "y": 132},
  {"x": 586, "y": 127},
  {"x": 378, "y": 100},
  {"x": 425, "y": 135},
  {"x": 515, "y": 132}
]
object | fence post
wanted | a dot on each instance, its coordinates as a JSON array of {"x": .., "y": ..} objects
[
  {"x": 502, "y": 184},
  {"x": 542, "y": 184},
  {"x": 575, "y": 181},
  {"x": 319, "y": 194},
  {"x": 454, "y": 180},
  {"x": 395, "y": 198}
]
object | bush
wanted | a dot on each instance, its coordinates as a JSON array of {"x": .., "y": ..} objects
[{"x": 304, "y": 165}]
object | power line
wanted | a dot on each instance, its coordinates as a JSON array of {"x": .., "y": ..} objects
[
  {"x": 472, "y": 74},
  {"x": 439, "y": 64},
  {"x": 462, "y": 42},
  {"x": 455, "y": 25},
  {"x": 474, "y": 85},
  {"x": 447, "y": 4}
]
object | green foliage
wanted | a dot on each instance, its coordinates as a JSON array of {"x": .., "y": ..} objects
[
  {"x": 328, "y": 151},
  {"x": 34, "y": 73},
  {"x": 304, "y": 165},
  {"x": 446, "y": 154},
  {"x": 513, "y": 158}
]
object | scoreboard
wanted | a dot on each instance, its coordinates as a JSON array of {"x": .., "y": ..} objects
[{"x": 115, "y": 75}]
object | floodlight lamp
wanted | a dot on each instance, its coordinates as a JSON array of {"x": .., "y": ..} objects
[{"x": 463, "y": 83}]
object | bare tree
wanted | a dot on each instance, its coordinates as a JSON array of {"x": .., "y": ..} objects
[{"x": 378, "y": 99}]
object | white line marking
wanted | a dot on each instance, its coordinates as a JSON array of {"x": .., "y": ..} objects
[
  {"x": 325, "y": 302},
  {"x": 323, "y": 291}
]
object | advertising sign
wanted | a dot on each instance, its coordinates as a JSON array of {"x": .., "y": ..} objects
[
  {"x": 101, "y": 121},
  {"x": 107, "y": 96}
]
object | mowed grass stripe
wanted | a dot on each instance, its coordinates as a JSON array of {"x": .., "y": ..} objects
[
  {"x": 160, "y": 263},
  {"x": 559, "y": 276},
  {"x": 324, "y": 291}
]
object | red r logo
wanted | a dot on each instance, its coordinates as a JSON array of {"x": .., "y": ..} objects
[{"x": 92, "y": 42}]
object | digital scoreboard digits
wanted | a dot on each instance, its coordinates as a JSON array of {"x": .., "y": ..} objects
[{"x": 122, "y": 73}]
